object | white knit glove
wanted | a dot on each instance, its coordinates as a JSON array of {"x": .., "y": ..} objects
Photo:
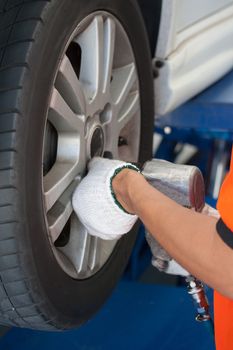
[{"x": 94, "y": 202}]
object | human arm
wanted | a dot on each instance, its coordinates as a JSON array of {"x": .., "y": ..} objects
[{"x": 189, "y": 237}]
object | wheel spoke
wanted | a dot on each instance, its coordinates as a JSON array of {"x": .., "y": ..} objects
[
  {"x": 62, "y": 116},
  {"x": 124, "y": 79},
  {"x": 115, "y": 152},
  {"x": 109, "y": 46},
  {"x": 104, "y": 252},
  {"x": 130, "y": 107},
  {"x": 57, "y": 181},
  {"x": 57, "y": 223},
  {"x": 83, "y": 258},
  {"x": 112, "y": 146},
  {"x": 70, "y": 88},
  {"x": 61, "y": 211},
  {"x": 78, "y": 247},
  {"x": 94, "y": 256},
  {"x": 91, "y": 41},
  {"x": 86, "y": 253}
]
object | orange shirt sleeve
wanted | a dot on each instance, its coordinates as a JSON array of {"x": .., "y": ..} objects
[
  {"x": 225, "y": 201},
  {"x": 223, "y": 307}
]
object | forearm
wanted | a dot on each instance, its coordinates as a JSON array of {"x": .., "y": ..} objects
[{"x": 189, "y": 237}]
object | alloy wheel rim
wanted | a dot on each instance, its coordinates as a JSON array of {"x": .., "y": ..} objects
[{"x": 94, "y": 110}]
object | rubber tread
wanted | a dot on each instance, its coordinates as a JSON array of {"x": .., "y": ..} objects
[{"x": 19, "y": 21}]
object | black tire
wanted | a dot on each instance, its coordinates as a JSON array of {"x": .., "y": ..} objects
[{"x": 34, "y": 291}]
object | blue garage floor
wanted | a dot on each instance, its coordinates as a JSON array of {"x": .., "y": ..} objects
[{"x": 137, "y": 316}]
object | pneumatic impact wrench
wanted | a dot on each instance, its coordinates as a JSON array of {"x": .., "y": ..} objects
[{"x": 185, "y": 185}]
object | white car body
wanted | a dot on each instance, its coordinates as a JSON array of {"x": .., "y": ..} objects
[{"x": 194, "y": 47}]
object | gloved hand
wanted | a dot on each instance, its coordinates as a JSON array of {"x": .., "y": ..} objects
[
  {"x": 95, "y": 203},
  {"x": 162, "y": 260}
]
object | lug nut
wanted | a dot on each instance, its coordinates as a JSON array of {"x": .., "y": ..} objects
[{"x": 122, "y": 141}]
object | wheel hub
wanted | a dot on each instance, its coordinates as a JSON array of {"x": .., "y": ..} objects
[{"x": 96, "y": 142}]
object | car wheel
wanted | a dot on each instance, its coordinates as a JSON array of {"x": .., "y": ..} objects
[{"x": 75, "y": 82}]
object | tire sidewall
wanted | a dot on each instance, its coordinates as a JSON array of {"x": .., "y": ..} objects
[{"x": 67, "y": 301}]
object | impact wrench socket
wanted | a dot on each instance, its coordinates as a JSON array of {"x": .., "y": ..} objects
[{"x": 185, "y": 185}]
